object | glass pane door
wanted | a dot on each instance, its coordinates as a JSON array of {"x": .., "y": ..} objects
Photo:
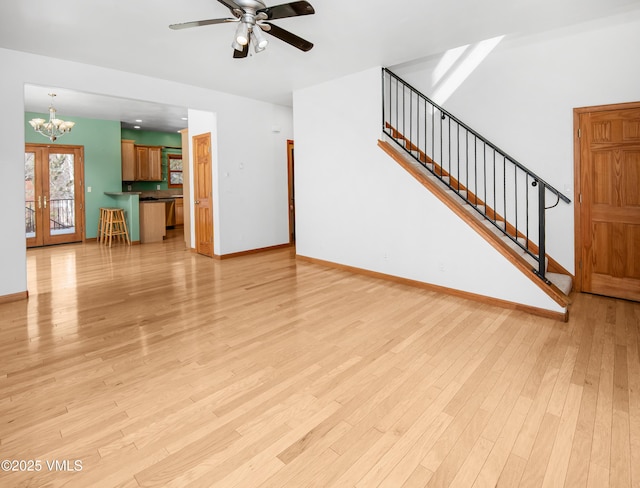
[
  {"x": 30, "y": 194},
  {"x": 53, "y": 194},
  {"x": 61, "y": 204}
]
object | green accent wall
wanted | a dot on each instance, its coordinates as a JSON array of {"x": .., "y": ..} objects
[
  {"x": 172, "y": 144},
  {"x": 102, "y": 160}
]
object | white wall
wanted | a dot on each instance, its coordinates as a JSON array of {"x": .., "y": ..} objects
[
  {"x": 522, "y": 95},
  {"x": 252, "y": 199},
  {"x": 358, "y": 207}
]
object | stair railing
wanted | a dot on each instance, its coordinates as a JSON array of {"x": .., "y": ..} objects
[{"x": 504, "y": 192}]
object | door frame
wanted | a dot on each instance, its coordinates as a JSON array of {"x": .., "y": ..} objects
[
  {"x": 291, "y": 205},
  {"x": 207, "y": 137},
  {"x": 81, "y": 213},
  {"x": 577, "y": 180}
]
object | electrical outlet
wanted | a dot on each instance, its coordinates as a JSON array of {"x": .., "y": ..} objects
[
  {"x": 88, "y": 189},
  {"x": 128, "y": 187},
  {"x": 157, "y": 187}
]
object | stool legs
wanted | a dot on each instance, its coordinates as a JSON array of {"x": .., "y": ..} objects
[{"x": 112, "y": 224}]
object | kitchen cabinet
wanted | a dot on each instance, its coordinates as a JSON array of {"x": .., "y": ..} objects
[
  {"x": 148, "y": 163},
  {"x": 128, "y": 160},
  {"x": 152, "y": 222},
  {"x": 179, "y": 211}
]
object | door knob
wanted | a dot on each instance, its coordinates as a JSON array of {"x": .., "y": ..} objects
[{"x": 197, "y": 202}]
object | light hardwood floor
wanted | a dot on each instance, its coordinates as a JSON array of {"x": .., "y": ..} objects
[{"x": 153, "y": 366}]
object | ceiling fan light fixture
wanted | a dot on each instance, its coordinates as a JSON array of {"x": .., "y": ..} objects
[
  {"x": 235, "y": 45},
  {"x": 242, "y": 34},
  {"x": 259, "y": 41}
]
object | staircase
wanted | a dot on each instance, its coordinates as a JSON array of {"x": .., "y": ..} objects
[{"x": 496, "y": 195}]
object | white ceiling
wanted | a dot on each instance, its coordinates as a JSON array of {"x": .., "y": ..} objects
[{"x": 349, "y": 36}]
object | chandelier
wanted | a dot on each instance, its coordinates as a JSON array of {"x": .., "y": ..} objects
[{"x": 55, "y": 127}]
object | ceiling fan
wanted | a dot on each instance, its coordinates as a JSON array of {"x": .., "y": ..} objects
[{"x": 252, "y": 17}]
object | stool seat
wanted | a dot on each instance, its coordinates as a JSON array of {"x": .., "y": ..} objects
[{"x": 112, "y": 224}]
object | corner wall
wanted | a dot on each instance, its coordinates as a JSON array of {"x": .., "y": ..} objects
[{"x": 357, "y": 207}]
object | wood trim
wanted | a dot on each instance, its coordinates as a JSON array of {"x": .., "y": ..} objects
[
  {"x": 186, "y": 187},
  {"x": 604, "y": 108},
  {"x": 291, "y": 191},
  {"x": 497, "y": 302},
  {"x": 251, "y": 251},
  {"x": 577, "y": 181},
  {"x": 550, "y": 289},
  {"x": 14, "y": 297}
]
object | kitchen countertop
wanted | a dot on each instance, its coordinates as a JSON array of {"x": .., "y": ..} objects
[
  {"x": 121, "y": 193},
  {"x": 154, "y": 199}
]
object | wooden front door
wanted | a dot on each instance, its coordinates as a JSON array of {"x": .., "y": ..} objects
[
  {"x": 609, "y": 209},
  {"x": 203, "y": 197},
  {"x": 54, "y": 196}
]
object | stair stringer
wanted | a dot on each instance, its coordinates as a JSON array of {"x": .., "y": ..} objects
[{"x": 550, "y": 289}]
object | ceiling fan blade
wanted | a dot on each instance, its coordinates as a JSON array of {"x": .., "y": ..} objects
[
  {"x": 285, "y": 10},
  {"x": 230, "y": 4},
  {"x": 288, "y": 37},
  {"x": 198, "y": 23},
  {"x": 243, "y": 53}
]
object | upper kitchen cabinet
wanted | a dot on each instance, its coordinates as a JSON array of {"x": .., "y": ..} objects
[
  {"x": 148, "y": 163},
  {"x": 128, "y": 160}
]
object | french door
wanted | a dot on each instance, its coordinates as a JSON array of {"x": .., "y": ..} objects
[{"x": 54, "y": 197}]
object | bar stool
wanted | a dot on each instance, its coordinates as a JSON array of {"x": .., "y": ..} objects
[
  {"x": 112, "y": 225},
  {"x": 102, "y": 220}
]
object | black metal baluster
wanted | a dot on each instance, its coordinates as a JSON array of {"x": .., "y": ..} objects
[
  {"x": 504, "y": 184},
  {"x": 484, "y": 158},
  {"x": 449, "y": 150},
  {"x": 440, "y": 162},
  {"x": 495, "y": 186},
  {"x": 541, "y": 229},
  {"x": 475, "y": 170},
  {"x": 526, "y": 186},
  {"x": 458, "y": 155},
  {"x": 515, "y": 181},
  {"x": 466, "y": 159}
]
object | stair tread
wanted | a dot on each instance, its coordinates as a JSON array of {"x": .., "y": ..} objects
[{"x": 562, "y": 281}]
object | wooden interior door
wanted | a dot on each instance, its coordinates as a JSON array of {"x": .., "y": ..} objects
[
  {"x": 610, "y": 202},
  {"x": 54, "y": 203},
  {"x": 203, "y": 197},
  {"x": 292, "y": 193}
]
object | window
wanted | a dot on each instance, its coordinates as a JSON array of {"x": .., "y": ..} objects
[{"x": 175, "y": 170}]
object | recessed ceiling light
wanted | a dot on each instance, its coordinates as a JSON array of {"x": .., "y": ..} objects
[
  {"x": 138, "y": 120},
  {"x": 185, "y": 118},
  {"x": 136, "y": 126}
]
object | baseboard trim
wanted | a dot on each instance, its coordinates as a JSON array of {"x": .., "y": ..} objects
[
  {"x": 14, "y": 297},
  {"x": 251, "y": 251},
  {"x": 540, "y": 312}
]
